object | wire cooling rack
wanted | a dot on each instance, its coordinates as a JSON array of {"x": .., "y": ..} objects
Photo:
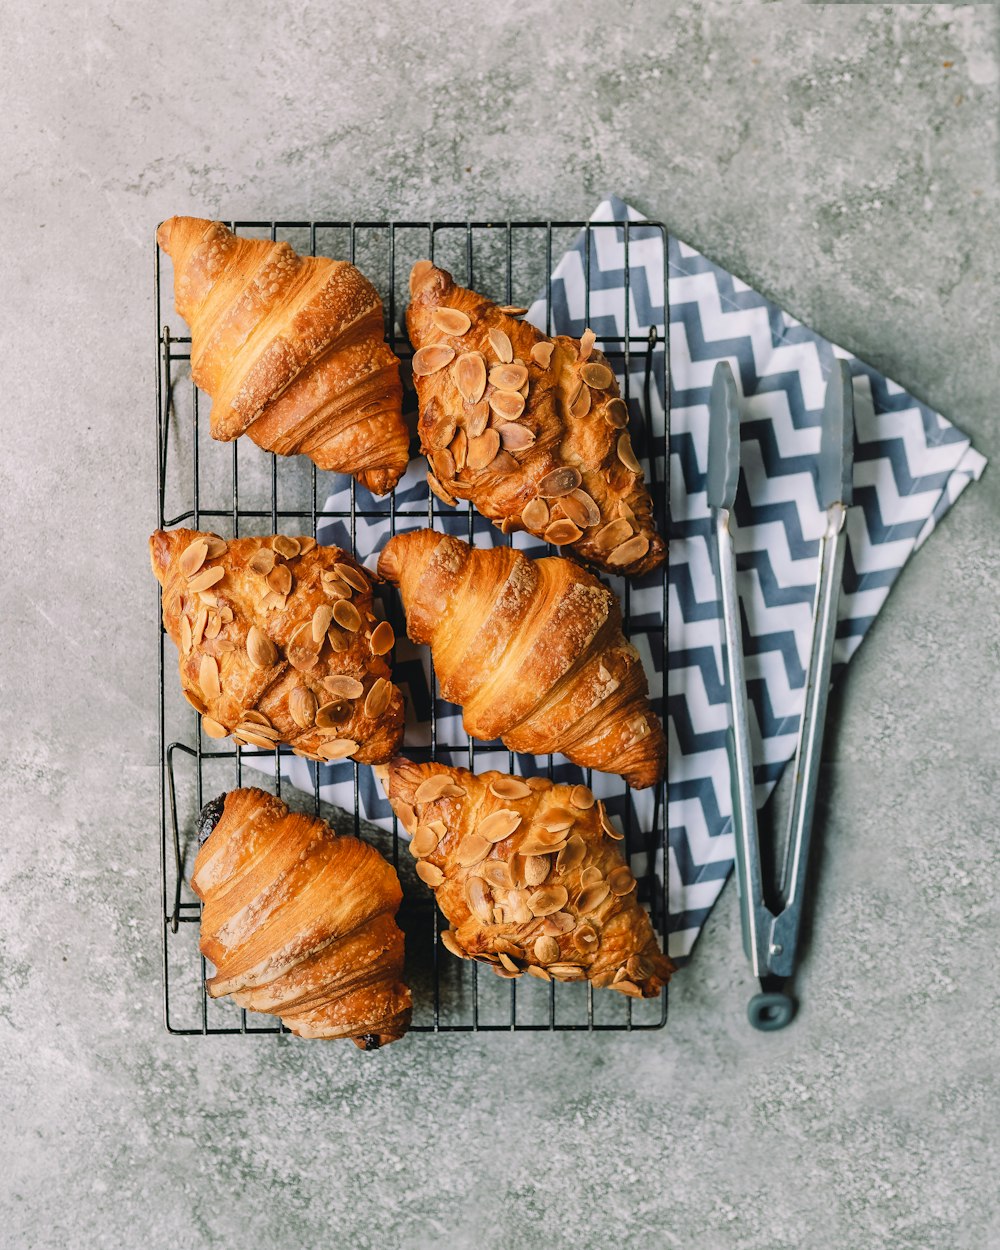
[{"x": 236, "y": 489}]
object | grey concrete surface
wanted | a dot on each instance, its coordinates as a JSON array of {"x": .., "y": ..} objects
[{"x": 841, "y": 157}]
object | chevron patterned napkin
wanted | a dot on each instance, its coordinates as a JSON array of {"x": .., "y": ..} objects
[{"x": 911, "y": 465}]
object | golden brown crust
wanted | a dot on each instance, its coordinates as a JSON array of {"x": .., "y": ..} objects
[
  {"x": 292, "y": 350},
  {"x": 528, "y": 876},
  {"x": 503, "y": 460},
  {"x": 278, "y": 680},
  {"x": 300, "y": 923},
  {"x": 532, "y": 650}
]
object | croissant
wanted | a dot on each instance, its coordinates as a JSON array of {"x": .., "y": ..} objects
[
  {"x": 531, "y": 429},
  {"x": 291, "y": 349},
  {"x": 532, "y": 650},
  {"x": 278, "y": 643},
  {"x": 528, "y": 875},
  {"x": 300, "y": 923}
]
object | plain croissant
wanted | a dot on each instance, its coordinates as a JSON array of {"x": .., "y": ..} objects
[
  {"x": 291, "y": 349},
  {"x": 531, "y": 429},
  {"x": 278, "y": 643},
  {"x": 532, "y": 650},
  {"x": 529, "y": 876},
  {"x": 300, "y": 923}
]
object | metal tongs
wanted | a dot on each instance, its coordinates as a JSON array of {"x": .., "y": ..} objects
[{"x": 771, "y": 939}]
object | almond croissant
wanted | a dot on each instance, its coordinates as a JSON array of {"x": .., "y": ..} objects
[
  {"x": 529, "y": 876},
  {"x": 278, "y": 643},
  {"x": 300, "y": 923},
  {"x": 291, "y": 349},
  {"x": 530, "y": 428},
  {"x": 532, "y": 650}
]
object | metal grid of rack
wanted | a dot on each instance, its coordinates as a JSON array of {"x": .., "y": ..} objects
[{"x": 235, "y": 490}]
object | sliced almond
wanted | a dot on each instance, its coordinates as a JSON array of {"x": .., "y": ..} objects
[
  {"x": 534, "y": 971},
  {"x": 451, "y": 321},
  {"x": 477, "y": 420},
  {"x": 208, "y": 677},
  {"x": 559, "y": 533},
  {"x": 193, "y": 556},
  {"x": 471, "y": 850},
  {"x": 444, "y": 465},
  {"x": 429, "y": 360},
  {"x": 260, "y": 649},
  {"x": 321, "y": 622},
  {"x": 509, "y": 788},
  {"x": 585, "y": 939},
  {"x": 591, "y": 875},
  {"x": 535, "y": 516},
  {"x": 512, "y": 310},
  {"x": 616, "y": 413},
  {"x": 567, "y": 972},
  {"x": 626, "y": 513},
  {"x": 482, "y": 450},
  {"x": 502, "y": 462},
  {"x": 335, "y": 587},
  {"x": 592, "y": 897},
  {"x": 378, "y": 698},
  {"x": 559, "y": 482},
  {"x": 508, "y": 963},
  {"x": 198, "y": 628},
  {"x": 579, "y": 405},
  {"x": 479, "y": 898},
  {"x": 459, "y": 449},
  {"x": 612, "y": 535},
  {"x": 437, "y": 489},
  {"x": 557, "y": 819},
  {"x": 431, "y": 875},
  {"x": 621, "y": 881},
  {"x": 280, "y": 579},
  {"x": 558, "y": 922},
  {"x": 432, "y": 788},
  {"x": 262, "y": 561},
  {"x": 571, "y": 855},
  {"x": 216, "y": 545},
  {"x": 439, "y": 432},
  {"x": 469, "y": 376},
  {"x": 535, "y": 868},
  {"x": 507, "y": 404},
  {"x": 578, "y": 512},
  {"x": 352, "y": 575},
  {"x": 451, "y": 944},
  {"x": 338, "y": 643},
  {"x": 214, "y": 627},
  {"x": 343, "y": 687},
  {"x": 547, "y": 900},
  {"x": 383, "y": 638},
  {"x": 515, "y": 437},
  {"x": 206, "y": 578},
  {"x": 306, "y": 543},
  {"x": 542, "y": 844},
  {"x": 302, "y": 707},
  {"x": 587, "y": 340},
  {"x": 582, "y": 797},
  {"x": 500, "y": 342},
  {"x": 508, "y": 377},
  {"x": 538, "y": 783},
  {"x": 213, "y": 729},
  {"x": 347, "y": 615},
  {"x": 301, "y": 651},
  {"x": 186, "y": 637},
  {"x": 627, "y": 987},
  {"x": 597, "y": 375},
  {"x": 630, "y": 551},
  {"x": 337, "y": 748},
  {"x": 498, "y": 825},
  {"x": 625, "y": 453},
  {"x": 498, "y": 873},
  {"x": 285, "y": 546},
  {"x": 407, "y": 816},
  {"x": 424, "y": 841},
  {"x": 541, "y": 354},
  {"x": 608, "y": 827},
  {"x": 333, "y": 714},
  {"x": 196, "y": 702},
  {"x": 250, "y": 735}
]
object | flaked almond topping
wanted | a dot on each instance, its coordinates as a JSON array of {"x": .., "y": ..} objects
[
  {"x": 621, "y": 881},
  {"x": 333, "y": 714},
  {"x": 337, "y": 641},
  {"x": 407, "y": 816},
  {"x": 342, "y": 687},
  {"x": 382, "y": 639},
  {"x": 502, "y": 462},
  {"x": 608, "y": 827},
  {"x": 587, "y": 340},
  {"x": 430, "y": 874},
  {"x": 547, "y": 900},
  {"x": 498, "y": 873},
  {"x": 444, "y": 465},
  {"x": 302, "y": 706},
  {"x": 585, "y": 939},
  {"x": 579, "y": 406},
  {"x": 223, "y": 645},
  {"x": 546, "y": 949},
  {"x": 559, "y": 533},
  {"x": 612, "y": 535},
  {"x": 252, "y": 737},
  {"x": 432, "y": 788},
  {"x": 207, "y": 599},
  {"x": 352, "y": 575},
  {"x": 424, "y": 841},
  {"x": 630, "y": 551},
  {"x": 557, "y": 819},
  {"x": 638, "y": 968},
  {"x": 451, "y": 321},
  {"x": 186, "y": 638},
  {"x": 337, "y": 748},
  {"x": 347, "y": 615},
  {"x": 559, "y": 482},
  {"x": 597, "y": 375},
  {"x": 262, "y": 561},
  {"x": 616, "y": 414},
  {"x": 627, "y": 987},
  {"x": 334, "y": 587},
  {"x": 541, "y": 354},
  {"x": 378, "y": 698},
  {"x": 306, "y": 543},
  {"x": 213, "y": 628},
  {"x": 195, "y": 702},
  {"x": 515, "y": 437},
  {"x": 576, "y": 511},
  {"x": 477, "y": 419},
  {"x": 280, "y": 579},
  {"x": 321, "y": 622},
  {"x": 206, "y": 578},
  {"x": 471, "y": 850},
  {"x": 213, "y": 728},
  {"x": 498, "y": 825},
  {"x": 482, "y": 450},
  {"x": 208, "y": 677},
  {"x": 509, "y": 788},
  {"x": 572, "y": 854},
  {"x": 260, "y": 649},
  {"x": 216, "y": 546},
  {"x": 198, "y": 629},
  {"x": 430, "y": 359},
  {"x": 535, "y": 868},
  {"x": 592, "y": 897},
  {"x": 226, "y": 614},
  {"x": 591, "y": 875},
  {"x": 626, "y": 513},
  {"x": 512, "y": 310},
  {"x": 287, "y": 547},
  {"x": 253, "y": 717},
  {"x": 469, "y": 376},
  {"x": 193, "y": 556},
  {"x": 535, "y": 515},
  {"x": 507, "y": 404},
  {"x": 558, "y": 922},
  {"x": 500, "y": 342},
  {"x": 508, "y": 963},
  {"x": 459, "y": 449},
  {"x": 542, "y": 843},
  {"x": 440, "y": 432},
  {"x": 534, "y": 971},
  {"x": 582, "y": 797},
  {"x": 437, "y": 489},
  {"x": 508, "y": 377},
  {"x": 567, "y": 972},
  {"x": 479, "y": 897},
  {"x": 451, "y": 944},
  {"x": 625, "y": 453}
]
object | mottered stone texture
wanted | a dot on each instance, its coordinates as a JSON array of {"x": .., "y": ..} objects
[{"x": 840, "y": 157}]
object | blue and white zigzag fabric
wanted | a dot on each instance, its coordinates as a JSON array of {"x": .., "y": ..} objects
[{"x": 911, "y": 465}]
